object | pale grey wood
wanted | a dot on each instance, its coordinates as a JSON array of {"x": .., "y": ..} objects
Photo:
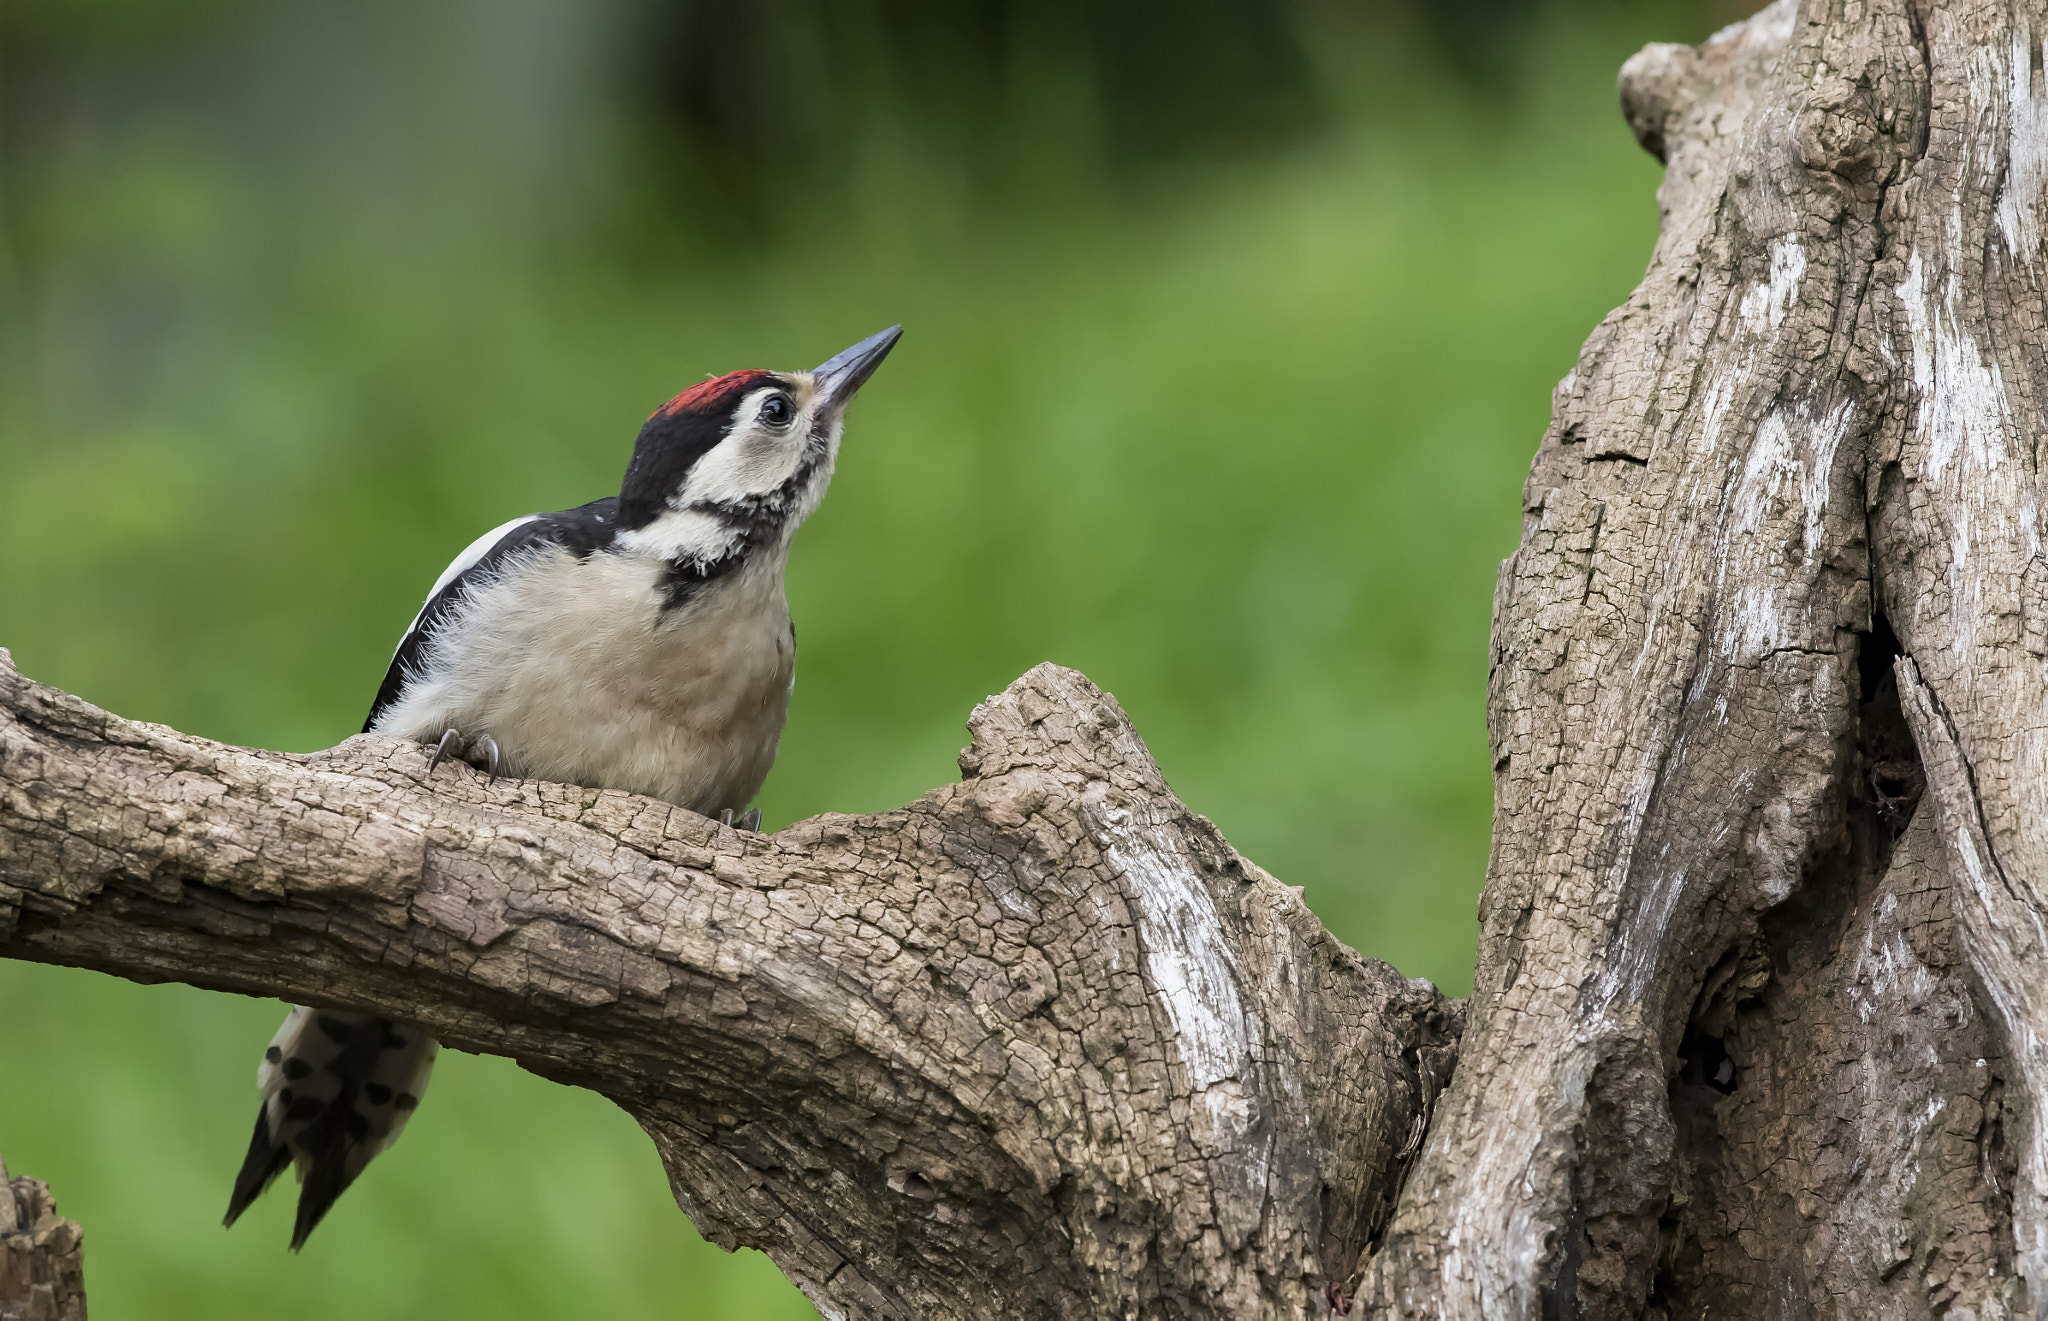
[
  {"x": 1818, "y": 411},
  {"x": 1756, "y": 1030}
]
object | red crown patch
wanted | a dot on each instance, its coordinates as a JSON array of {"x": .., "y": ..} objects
[{"x": 715, "y": 395}]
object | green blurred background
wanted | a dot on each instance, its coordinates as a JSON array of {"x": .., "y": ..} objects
[{"x": 1230, "y": 329}]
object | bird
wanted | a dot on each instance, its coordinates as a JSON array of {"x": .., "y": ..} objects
[{"x": 639, "y": 642}]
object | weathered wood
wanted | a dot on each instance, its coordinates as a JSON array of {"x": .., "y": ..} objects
[
  {"x": 1761, "y": 1018},
  {"x": 1038, "y": 1044},
  {"x": 42, "y": 1255},
  {"x": 1733, "y": 1051}
]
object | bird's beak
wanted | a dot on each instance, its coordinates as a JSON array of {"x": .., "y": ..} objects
[{"x": 843, "y": 373}]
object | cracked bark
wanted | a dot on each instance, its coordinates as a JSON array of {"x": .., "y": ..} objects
[
  {"x": 1755, "y": 1031},
  {"x": 42, "y": 1269},
  {"x": 1038, "y": 1044},
  {"x": 1762, "y": 981}
]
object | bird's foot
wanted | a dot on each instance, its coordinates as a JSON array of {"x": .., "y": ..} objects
[
  {"x": 747, "y": 820},
  {"x": 481, "y": 753},
  {"x": 450, "y": 740}
]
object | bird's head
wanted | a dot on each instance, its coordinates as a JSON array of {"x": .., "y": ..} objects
[{"x": 740, "y": 460}]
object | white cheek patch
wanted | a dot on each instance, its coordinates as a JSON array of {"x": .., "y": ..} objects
[
  {"x": 805, "y": 502},
  {"x": 754, "y": 458},
  {"x": 751, "y": 461},
  {"x": 759, "y": 469},
  {"x": 684, "y": 534}
]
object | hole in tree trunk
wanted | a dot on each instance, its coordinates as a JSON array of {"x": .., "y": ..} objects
[
  {"x": 1891, "y": 775},
  {"x": 1703, "y": 1061},
  {"x": 1837, "y": 1101}
]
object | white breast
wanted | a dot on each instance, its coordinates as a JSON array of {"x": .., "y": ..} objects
[{"x": 581, "y": 675}]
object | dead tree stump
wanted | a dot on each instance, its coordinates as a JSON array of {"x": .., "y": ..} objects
[{"x": 42, "y": 1262}]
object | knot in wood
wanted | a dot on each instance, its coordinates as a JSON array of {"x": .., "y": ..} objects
[{"x": 1650, "y": 85}]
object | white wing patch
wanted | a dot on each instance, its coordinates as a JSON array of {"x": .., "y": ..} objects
[{"x": 460, "y": 565}]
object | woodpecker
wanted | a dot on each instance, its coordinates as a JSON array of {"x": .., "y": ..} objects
[{"x": 639, "y": 642}]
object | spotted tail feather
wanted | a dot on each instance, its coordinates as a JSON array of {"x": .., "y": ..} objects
[{"x": 337, "y": 1089}]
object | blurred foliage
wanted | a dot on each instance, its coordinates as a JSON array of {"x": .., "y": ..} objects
[
  {"x": 756, "y": 96},
  {"x": 1230, "y": 330}
]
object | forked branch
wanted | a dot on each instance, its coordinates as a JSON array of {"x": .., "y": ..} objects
[{"x": 1039, "y": 1043}]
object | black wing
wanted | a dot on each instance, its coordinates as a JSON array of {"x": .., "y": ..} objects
[{"x": 581, "y": 530}]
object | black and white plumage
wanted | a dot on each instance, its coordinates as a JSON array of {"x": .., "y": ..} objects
[
  {"x": 337, "y": 1089},
  {"x": 639, "y": 642}
]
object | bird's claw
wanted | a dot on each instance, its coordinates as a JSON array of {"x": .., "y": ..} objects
[
  {"x": 449, "y": 739},
  {"x": 452, "y": 745},
  {"x": 747, "y": 820}
]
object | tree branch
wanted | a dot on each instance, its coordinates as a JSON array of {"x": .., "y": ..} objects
[
  {"x": 1039, "y": 1043},
  {"x": 1755, "y": 1030}
]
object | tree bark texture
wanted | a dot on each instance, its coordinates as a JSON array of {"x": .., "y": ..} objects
[
  {"x": 1762, "y": 984},
  {"x": 1756, "y": 1031},
  {"x": 42, "y": 1264},
  {"x": 1038, "y": 1044}
]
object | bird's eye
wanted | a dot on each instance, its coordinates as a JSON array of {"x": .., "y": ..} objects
[{"x": 777, "y": 411}]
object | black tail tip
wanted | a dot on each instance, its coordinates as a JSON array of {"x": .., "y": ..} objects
[
  {"x": 307, "y": 1220},
  {"x": 325, "y": 1182},
  {"x": 260, "y": 1168}
]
